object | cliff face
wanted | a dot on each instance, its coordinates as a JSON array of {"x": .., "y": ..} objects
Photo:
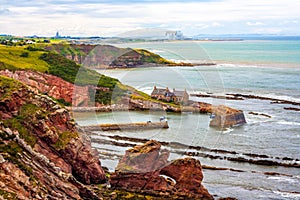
[
  {"x": 42, "y": 154},
  {"x": 52, "y": 85}
]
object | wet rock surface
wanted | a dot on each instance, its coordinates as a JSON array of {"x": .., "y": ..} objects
[
  {"x": 261, "y": 114},
  {"x": 292, "y": 108},
  {"x": 145, "y": 168}
]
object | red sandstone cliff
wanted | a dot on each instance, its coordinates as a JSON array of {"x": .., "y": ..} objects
[
  {"x": 42, "y": 154},
  {"x": 146, "y": 169},
  {"x": 52, "y": 85}
]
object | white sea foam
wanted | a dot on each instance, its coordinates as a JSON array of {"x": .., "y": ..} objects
[
  {"x": 283, "y": 122},
  {"x": 232, "y": 65},
  {"x": 284, "y": 179},
  {"x": 282, "y": 97},
  {"x": 251, "y": 119},
  {"x": 180, "y": 61},
  {"x": 156, "y": 51},
  {"x": 228, "y": 65},
  {"x": 288, "y": 195},
  {"x": 226, "y": 130}
]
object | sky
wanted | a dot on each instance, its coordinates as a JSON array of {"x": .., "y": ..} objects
[{"x": 112, "y": 18}]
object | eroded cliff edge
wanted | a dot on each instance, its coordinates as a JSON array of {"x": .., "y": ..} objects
[{"x": 43, "y": 156}]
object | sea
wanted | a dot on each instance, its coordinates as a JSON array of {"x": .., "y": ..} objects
[{"x": 258, "y": 160}]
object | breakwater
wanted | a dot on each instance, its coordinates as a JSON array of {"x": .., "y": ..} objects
[{"x": 126, "y": 126}]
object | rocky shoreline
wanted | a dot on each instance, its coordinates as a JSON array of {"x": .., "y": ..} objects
[
  {"x": 73, "y": 168},
  {"x": 203, "y": 152},
  {"x": 45, "y": 156}
]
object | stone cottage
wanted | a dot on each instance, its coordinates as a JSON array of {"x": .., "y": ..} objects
[{"x": 176, "y": 96}]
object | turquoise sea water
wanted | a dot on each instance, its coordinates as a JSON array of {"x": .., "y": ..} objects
[
  {"x": 262, "y": 68},
  {"x": 267, "y": 52},
  {"x": 260, "y": 52}
]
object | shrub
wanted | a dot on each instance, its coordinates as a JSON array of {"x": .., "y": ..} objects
[{"x": 24, "y": 55}]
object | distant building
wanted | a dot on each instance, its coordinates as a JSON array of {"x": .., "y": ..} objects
[
  {"x": 175, "y": 96},
  {"x": 57, "y": 35},
  {"x": 174, "y": 35},
  {"x": 30, "y": 42}
]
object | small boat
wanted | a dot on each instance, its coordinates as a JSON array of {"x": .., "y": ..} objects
[
  {"x": 162, "y": 118},
  {"x": 212, "y": 115}
]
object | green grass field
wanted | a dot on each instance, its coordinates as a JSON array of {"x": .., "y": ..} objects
[{"x": 11, "y": 58}]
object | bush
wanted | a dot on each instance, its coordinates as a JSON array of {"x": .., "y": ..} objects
[
  {"x": 31, "y": 48},
  {"x": 24, "y": 55},
  {"x": 70, "y": 71}
]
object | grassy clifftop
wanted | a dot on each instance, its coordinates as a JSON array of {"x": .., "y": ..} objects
[
  {"x": 60, "y": 60},
  {"x": 37, "y": 59},
  {"x": 18, "y": 57},
  {"x": 106, "y": 55},
  {"x": 23, "y": 58}
]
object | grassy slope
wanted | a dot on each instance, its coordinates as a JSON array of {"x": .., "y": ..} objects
[
  {"x": 56, "y": 64},
  {"x": 48, "y": 62},
  {"x": 83, "y": 50},
  {"x": 10, "y": 58},
  {"x": 150, "y": 57}
]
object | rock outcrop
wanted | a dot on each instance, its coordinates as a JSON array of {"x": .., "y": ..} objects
[
  {"x": 44, "y": 156},
  {"x": 146, "y": 169},
  {"x": 52, "y": 86}
]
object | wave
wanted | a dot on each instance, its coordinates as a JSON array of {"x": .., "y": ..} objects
[
  {"x": 288, "y": 123},
  {"x": 157, "y": 51},
  {"x": 280, "y": 66},
  {"x": 282, "y": 97},
  {"x": 226, "y": 130},
  {"x": 290, "y": 195},
  {"x": 256, "y": 119},
  {"x": 240, "y": 65},
  {"x": 284, "y": 179}
]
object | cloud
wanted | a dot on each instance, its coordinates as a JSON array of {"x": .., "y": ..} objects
[
  {"x": 255, "y": 23},
  {"x": 105, "y": 18},
  {"x": 4, "y": 11},
  {"x": 216, "y": 24}
]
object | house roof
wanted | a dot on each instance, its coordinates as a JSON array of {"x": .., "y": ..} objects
[
  {"x": 166, "y": 92},
  {"x": 159, "y": 91},
  {"x": 169, "y": 94},
  {"x": 179, "y": 93}
]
